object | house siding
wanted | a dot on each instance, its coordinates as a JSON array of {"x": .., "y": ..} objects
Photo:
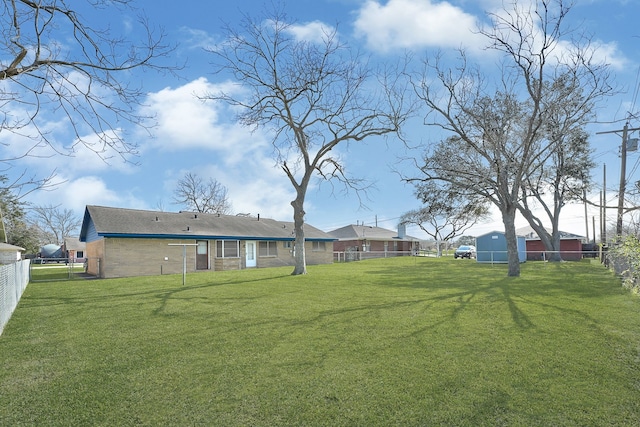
[
  {"x": 492, "y": 247},
  {"x": 376, "y": 245},
  {"x": 570, "y": 250},
  {"x": 127, "y": 257},
  {"x": 95, "y": 255},
  {"x": 9, "y": 256}
]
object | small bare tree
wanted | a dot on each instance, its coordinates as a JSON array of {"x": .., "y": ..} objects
[
  {"x": 200, "y": 196},
  {"x": 447, "y": 212},
  {"x": 55, "y": 222},
  {"x": 312, "y": 95},
  {"x": 54, "y": 62}
]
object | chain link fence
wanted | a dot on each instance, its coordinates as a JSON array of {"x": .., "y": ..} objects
[
  {"x": 53, "y": 269},
  {"x": 14, "y": 279}
]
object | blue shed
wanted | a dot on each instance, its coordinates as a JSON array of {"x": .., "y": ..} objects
[{"x": 492, "y": 247}]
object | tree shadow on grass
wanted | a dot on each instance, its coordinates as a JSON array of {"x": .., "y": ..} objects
[
  {"x": 124, "y": 289},
  {"x": 442, "y": 284}
]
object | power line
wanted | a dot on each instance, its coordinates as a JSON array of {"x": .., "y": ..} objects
[{"x": 623, "y": 173}]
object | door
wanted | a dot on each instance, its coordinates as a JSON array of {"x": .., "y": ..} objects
[
  {"x": 250, "y": 253},
  {"x": 202, "y": 255}
]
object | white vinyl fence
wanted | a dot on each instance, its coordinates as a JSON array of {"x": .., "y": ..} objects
[{"x": 14, "y": 279}]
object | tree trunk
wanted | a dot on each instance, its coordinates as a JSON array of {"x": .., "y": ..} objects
[
  {"x": 509, "y": 221},
  {"x": 550, "y": 241},
  {"x": 298, "y": 226}
]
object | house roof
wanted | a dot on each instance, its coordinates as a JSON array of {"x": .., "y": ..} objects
[
  {"x": 361, "y": 232},
  {"x": 74, "y": 244},
  {"x": 530, "y": 234},
  {"x": 497, "y": 232},
  {"x": 8, "y": 247},
  {"x": 132, "y": 223}
]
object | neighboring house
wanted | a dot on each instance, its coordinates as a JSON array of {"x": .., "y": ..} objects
[
  {"x": 128, "y": 242},
  {"x": 492, "y": 248},
  {"x": 74, "y": 249},
  {"x": 365, "y": 238},
  {"x": 10, "y": 253},
  {"x": 570, "y": 245}
]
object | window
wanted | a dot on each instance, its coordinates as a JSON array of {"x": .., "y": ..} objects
[
  {"x": 287, "y": 245},
  {"x": 267, "y": 249},
  {"x": 318, "y": 246},
  {"x": 227, "y": 248}
]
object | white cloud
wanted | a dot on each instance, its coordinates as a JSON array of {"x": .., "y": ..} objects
[
  {"x": 184, "y": 121},
  {"x": 76, "y": 192},
  {"x": 76, "y": 197},
  {"x": 407, "y": 24},
  {"x": 199, "y": 38},
  {"x": 609, "y": 53},
  {"x": 564, "y": 48},
  {"x": 91, "y": 155},
  {"x": 311, "y": 31}
]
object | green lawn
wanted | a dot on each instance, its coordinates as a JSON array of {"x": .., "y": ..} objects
[
  {"x": 55, "y": 271},
  {"x": 406, "y": 342}
]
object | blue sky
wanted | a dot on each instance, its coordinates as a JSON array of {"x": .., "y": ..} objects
[{"x": 202, "y": 138}]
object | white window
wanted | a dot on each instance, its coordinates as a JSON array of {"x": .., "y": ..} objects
[
  {"x": 227, "y": 248},
  {"x": 319, "y": 246},
  {"x": 266, "y": 249}
]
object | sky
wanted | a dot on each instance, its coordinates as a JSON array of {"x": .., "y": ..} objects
[{"x": 203, "y": 138}]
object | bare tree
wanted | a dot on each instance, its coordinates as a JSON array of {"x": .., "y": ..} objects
[
  {"x": 56, "y": 222},
  {"x": 54, "y": 63},
  {"x": 200, "y": 196},
  {"x": 563, "y": 177},
  {"x": 501, "y": 132},
  {"x": 446, "y": 213},
  {"x": 312, "y": 95}
]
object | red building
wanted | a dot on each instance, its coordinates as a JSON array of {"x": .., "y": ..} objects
[{"x": 570, "y": 245}]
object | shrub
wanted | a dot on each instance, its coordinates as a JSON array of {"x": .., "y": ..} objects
[{"x": 624, "y": 256}]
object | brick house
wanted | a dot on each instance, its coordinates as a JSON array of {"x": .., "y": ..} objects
[
  {"x": 374, "y": 240},
  {"x": 129, "y": 242}
]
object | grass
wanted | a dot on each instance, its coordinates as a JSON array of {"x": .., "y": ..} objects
[
  {"x": 58, "y": 271},
  {"x": 405, "y": 341}
]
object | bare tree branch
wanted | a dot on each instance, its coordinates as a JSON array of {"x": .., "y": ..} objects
[
  {"x": 56, "y": 64},
  {"x": 314, "y": 95},
  {"x": 200, "y": 196}
]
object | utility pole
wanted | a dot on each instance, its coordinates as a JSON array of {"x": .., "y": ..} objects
[
  {"x": 586, "y": 217},
  {"x": 603, "y": 206},
  {"x": 623, "y": 172}
]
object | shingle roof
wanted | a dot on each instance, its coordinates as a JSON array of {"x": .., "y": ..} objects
[
  {"x": 74, "y": 244},
  {"x": 358, "y": 232},
  {"x": 118, "y": 222},
  {"x": 8, "y": 247},
  {"x": 530, "y": 234}
]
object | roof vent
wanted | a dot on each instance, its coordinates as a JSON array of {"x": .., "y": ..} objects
[
  {"x": 157, "y": 219},
  {"x": 187, "y": 228},
  {"x": 195, "y": 216}
]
